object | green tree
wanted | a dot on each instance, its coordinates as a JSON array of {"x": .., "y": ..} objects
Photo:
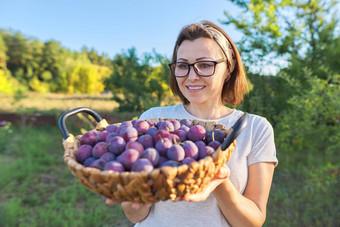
[
  {"x": 3, "y": 56},
  {"x": 279, "y": 32},
  {"x": 17, "y": 54},
  {"x": 136, "y": 84}
]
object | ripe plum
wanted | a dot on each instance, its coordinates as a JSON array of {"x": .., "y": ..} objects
[
  {"x": 115, "y": 166},
  {"x": 103, "y": 135},
  {"x": 83, "y": 153},
  {"x": 196, "y": 132},
  {"x": 141, "y": 126},
  {"x": 117, "y": 145},
  {"x": 152, "y": 155},
  {"x": 128, "y": 157},
  {"x": 162, "y": 134},
  {"x": 88, "y": 161},
  {"x": 99, "y": 149},
  {"x": 214, "y": 144},
  {"x": 110, "y": 136},
  {"x": 90, "y": 138},
  {"x": 166, "y": 125},
  {"x": 205, "y": 151},
  {"x": 215, "y": 135},
  {"x": 181, "y": 134},
  {"x": 142, "y": 164},
  {"x": 184, "y": 128},
  {"x": 129, "y": 134},
  {"x": 111, "y": 128},
  {"x": 151, "y": 123},
  {"x": 191, "y": 150},
  {"x": 135, "y": 145},
  {"x": 176, "y": 153},
  {"x": 152, "y": 131},
  {"x": 186, "y": 122},
  {"x": 176, "y": 124},
  {"x": 146, "y": 140},
  {"x": 108, "y": 156},
  {"x": 200, "y": 144},
  {"x": 98, "y": 163},
  {"x": 163, "y": 145}
]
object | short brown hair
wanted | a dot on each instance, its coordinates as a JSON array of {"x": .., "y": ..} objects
[{"x": 235, "y": 87}]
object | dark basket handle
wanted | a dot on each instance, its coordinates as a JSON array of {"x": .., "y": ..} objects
[
  {"x": 237, "y": 129},
  {"x": 64, "y": 116}
]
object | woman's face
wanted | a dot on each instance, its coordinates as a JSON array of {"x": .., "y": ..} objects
[{"x": 197, "y": 89}]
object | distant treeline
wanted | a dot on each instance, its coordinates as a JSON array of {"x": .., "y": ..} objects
[{"x": 29, "y": 64}]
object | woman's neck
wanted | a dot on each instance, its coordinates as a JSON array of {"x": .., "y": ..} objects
[{"x": 208, "y": 111}]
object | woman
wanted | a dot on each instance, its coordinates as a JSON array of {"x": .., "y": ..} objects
[{"x": 207, "y": 73}]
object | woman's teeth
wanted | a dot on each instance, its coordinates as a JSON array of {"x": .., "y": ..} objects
[{"x": 195, "y": 88}]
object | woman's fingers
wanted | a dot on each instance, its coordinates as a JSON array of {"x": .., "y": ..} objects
[
  {"x": 110, "y": 202},
  {"x": 224, "y": 172},
  {"x": 135, "y": 205},
  {"x": 221, "y": 175},
  {"x": 127, "y": 204}
]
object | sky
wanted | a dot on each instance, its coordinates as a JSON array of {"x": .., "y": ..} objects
[{"x": 112, "y": 26}]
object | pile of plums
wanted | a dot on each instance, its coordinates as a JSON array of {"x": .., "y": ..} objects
[{"x": 142, "y": 145}]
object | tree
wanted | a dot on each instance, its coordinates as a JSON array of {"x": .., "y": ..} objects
[
  {"x": 135, "y": 83},
  {"x": 3, "y": 56},
  {"x": 281, "y": 31}
]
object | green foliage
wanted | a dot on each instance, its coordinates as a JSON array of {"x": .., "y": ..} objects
[
  {"x": 301, "y": 101},
  {"x": 136, "y": 84},
  {"x": 8, "y": 84},
  {"x": 275, "y": 32},
  {"x": 49, "y": 67},
  {"x": 268, "y": 97},
  {"x": 311, "y": 126}
]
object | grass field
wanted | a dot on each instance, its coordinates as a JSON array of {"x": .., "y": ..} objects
[
  {"x": 37, "y": 189},
  {"x": 52, "y": 103}
]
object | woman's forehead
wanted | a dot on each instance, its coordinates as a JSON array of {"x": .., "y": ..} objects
[{"x": 198, "y": 48}]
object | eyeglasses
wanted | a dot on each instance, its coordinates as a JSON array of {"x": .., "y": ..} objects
[{"x": 201, "y": 68}]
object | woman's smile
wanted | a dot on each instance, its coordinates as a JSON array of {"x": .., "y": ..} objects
[{"x": 194, "y": 88}]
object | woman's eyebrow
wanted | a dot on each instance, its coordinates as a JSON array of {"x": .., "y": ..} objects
[{"x": 197, "y": 59}]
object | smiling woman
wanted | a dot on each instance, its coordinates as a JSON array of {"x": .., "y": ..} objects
[{"x": 207, "y": 73}]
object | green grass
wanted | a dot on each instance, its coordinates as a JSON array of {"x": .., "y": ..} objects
[{"x": 37, "y": 189}]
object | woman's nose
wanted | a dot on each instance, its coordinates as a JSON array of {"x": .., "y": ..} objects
[{"x": 192, "y": 74}]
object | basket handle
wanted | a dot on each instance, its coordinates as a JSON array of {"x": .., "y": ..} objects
[
  {"x": 64, "y": 116},
  {"x": 236, "y": 130}
]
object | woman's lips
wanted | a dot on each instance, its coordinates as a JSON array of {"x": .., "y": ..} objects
[{"x": 195, "y": 88}]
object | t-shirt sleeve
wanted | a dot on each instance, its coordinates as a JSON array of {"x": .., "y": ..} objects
[
  {"x": 151, "y": 113},
  {"x": 263, "y": 146},
  {"x": 145, "y": 115}
]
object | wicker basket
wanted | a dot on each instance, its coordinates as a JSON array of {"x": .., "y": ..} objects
[{"x": 160, "y": 184}]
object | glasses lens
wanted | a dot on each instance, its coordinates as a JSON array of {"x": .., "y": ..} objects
[
  {"x": 205, "y": 68},
  {"x": 181, "y": 69}
]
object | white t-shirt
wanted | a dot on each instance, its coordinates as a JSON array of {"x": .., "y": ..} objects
[{"x": 254, "y": 144}]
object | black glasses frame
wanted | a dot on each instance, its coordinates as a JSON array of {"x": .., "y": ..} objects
[{"x": 195, "y": 69}]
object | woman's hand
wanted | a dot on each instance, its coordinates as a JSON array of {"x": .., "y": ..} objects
[
  {"x": 221, "y": 176},
  {"x": 134, "y": 211}
]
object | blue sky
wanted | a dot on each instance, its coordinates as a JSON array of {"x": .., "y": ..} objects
[{"x": 112, "y": 26}]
